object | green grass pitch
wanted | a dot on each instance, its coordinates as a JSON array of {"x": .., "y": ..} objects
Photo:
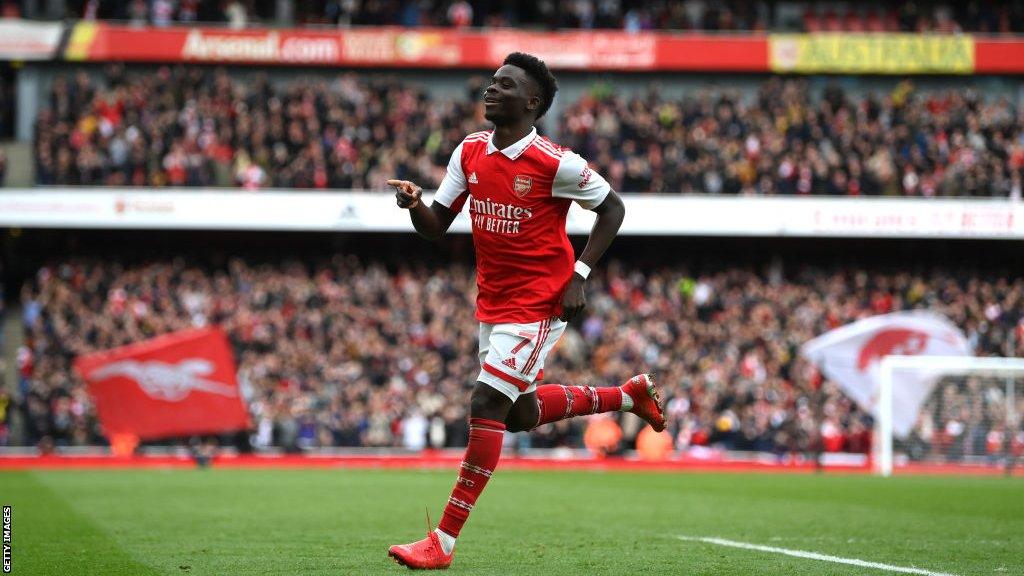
[{"x": 291, "y": 522}]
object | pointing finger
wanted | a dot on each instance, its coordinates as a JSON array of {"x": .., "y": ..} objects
[{"x": 403, "y": 185}]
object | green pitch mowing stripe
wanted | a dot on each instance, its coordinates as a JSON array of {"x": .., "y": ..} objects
[
  {"x": 48, "y": 537},
  {"x": 289, "y": 522}
]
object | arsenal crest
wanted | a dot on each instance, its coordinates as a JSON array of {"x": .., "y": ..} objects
[{"x": 522, "y": 185}]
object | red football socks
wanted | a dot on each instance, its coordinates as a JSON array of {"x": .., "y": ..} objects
[
  {"x": 556, "y": 403},
  {"x": 482, "y": 456},
  {"x": 560, "y": 402}
]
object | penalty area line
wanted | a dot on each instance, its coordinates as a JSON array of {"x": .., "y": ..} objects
[{"x": 812, "y": 556}]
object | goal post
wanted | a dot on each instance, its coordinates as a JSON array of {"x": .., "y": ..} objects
[{"x": 1000, "y": 382}]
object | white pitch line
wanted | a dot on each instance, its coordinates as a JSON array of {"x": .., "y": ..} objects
[{"x": 813, "y": 556}]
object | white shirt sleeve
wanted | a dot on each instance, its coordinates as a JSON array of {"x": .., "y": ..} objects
[
  {"x": 577, "y": 181},
  {"x": 454, "y": 182}
]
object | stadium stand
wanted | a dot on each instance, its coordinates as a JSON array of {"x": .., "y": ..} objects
[
  {"x": 193, "y": 127},
  {"x": 787, "y": 139},
  {"x": 199, "y": 127},
  {"x": 349, "y": 352}
]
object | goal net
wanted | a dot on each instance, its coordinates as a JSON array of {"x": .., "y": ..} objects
[{"x": 969, "y": 421}]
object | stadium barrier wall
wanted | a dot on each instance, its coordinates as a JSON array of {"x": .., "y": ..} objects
[
  {"x": 433, "y": 460},
  {"x": 23, "y": 40},
  {"x": 840, "y": 53},
  {"x": 348, "y": 211},
  {"x": 606, "y": 50}
]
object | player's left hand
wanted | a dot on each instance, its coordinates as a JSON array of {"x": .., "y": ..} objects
[{"x": 574, "y": 299}]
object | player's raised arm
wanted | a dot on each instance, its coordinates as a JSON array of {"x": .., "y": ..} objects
[{"x": 432, "y": 222}]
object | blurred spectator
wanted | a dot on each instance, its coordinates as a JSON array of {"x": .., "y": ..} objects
[
  {"x": 236, "y": 15},
  {"x": 414, "y": 430},
  {"x": 345, "y": 353},
  {"x": 602, "y": 435},
  {"x": 460, "y": 14},
  {"x": 163, "y": 12},
  {"x": 653, "y": 446},
  {"x": 138, "y": 12}
]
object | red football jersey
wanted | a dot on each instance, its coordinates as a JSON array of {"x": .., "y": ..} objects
[{"x": 518, "y": 201}]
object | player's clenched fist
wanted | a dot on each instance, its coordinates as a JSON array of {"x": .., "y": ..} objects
[{"x": 406, "y": 193}]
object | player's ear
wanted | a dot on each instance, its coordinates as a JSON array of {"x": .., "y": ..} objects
[{"x": 533, "y": 104}]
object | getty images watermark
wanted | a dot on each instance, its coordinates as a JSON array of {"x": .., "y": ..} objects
[{"x": 7, "y": 539}]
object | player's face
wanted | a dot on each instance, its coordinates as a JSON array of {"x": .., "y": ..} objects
[{"x": 511, "y": 95}]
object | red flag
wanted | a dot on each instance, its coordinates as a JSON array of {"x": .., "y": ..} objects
[{"x": 173, "y": 385}]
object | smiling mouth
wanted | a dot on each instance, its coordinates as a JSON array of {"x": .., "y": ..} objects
[{"x": 491, "y": 101}]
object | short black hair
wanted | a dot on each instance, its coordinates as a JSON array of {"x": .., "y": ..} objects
[{"x": 536, "y": 68}]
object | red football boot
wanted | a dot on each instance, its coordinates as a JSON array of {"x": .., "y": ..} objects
[
  {"x": 425, "y": 554},
  {"x": 646, "y": 402}
]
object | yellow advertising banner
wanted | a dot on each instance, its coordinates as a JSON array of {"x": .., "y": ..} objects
[
  {"x": 83, "y": 36},
  {"x": 844, "y": 53}
]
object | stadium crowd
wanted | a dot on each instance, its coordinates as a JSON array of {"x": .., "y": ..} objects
[
  {"x": 234, "y": 13},
  {"x": 192, "y": 127},
  {"x": 341, "y": 352},
  {"x": 786, "y": 139},
  {"x": 902, "y": 16},
  {"x": 195, "y": 127}
]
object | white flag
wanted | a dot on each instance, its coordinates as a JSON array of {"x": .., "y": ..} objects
[{"x": 851, "y": 356}]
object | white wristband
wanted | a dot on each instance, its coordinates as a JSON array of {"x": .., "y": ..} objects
[{"x": 581, "y": 269}]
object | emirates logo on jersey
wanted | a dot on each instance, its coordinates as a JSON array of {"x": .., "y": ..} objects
[
  {"x": 496, "y": 217},
  {"x": 522, "y": 185}
]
